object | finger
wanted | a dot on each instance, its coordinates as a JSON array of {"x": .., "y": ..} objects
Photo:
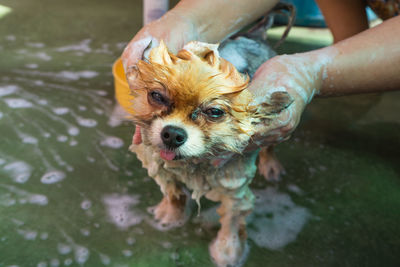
[{"x": 134, "y": 52}]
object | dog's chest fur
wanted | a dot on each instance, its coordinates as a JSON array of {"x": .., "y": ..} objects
[{"x": 199, "y": 175}]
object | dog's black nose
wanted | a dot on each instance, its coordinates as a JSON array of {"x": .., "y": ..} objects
[{"x": 173, "y": 137}]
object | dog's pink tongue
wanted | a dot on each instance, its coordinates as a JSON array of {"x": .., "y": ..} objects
[{"x": 167, "y": 154}]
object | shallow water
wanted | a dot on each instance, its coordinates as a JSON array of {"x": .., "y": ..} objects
[{"x": 72, "y": 195}]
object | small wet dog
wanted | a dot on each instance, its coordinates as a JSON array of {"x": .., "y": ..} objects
[{"x": 196, "y": 120}]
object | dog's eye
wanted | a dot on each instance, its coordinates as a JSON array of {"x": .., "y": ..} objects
[
  {"x": 159, "y": 98},
  {"x": 214, "y": 113}
]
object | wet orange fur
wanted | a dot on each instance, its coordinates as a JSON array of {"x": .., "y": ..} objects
[
  {"x": 191, "y": 80},
  {"x": 195, "y": 78}
]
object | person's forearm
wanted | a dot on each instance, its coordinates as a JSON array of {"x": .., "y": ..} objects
[
  {"x": 344, "y": 18},
  {"x": 367, "y": 62},
  {"x": 217, "y": 19}
]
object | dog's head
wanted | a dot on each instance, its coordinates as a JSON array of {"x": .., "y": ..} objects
[{"x": 194, "y": 103}]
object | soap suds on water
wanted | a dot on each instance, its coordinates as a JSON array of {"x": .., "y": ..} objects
[
  {"x": 52, "y": 177},
  {"x": 83, "y": 46},
  {"x": 18, "y": 103},
  {"x": 277, "y": 220},
  {"x": 71, "y": 75},
  {"x": 121, "y": 210},
  {"x": 31, "y": 66},
  {"x": 74, "y": 131},
  {"x": 86, "y": 122},
  {"x": 112, "y": 142},
  {"x": 28, "y": 234},
  {"x": 62, "y": 138},
  {"x": 8, "y": 90},
  {"x": 61, "y": 110},
  {"x": 19, "y": 171},
  {"x": 15, "y": 195}
]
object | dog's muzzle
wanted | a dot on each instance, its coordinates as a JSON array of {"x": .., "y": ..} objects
[{"x": 173, "y": 137}]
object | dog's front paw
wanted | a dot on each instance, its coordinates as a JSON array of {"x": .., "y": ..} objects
[
  {"x": 170, "y": 212},
  {"x": 270, "y": 168},
  {"x": 228, "y": 251}
]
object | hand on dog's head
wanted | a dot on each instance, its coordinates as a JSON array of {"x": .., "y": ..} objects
[{"x": 196, "y": 103}]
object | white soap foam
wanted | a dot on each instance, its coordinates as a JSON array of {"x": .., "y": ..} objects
[
  {"x": 86, "y": 122},
  {"x": 18, "y": 103},
  {"x": 81, "y": 254},
  {"x": 74, "y": 131},
  {"x": 43, "y": 56},
  {"x": 86, "y": 204},
  {"x": 112, "y": 142},
  {"x": 8, "y": 90},
  {"x": 19, "y": 171},
  {"x": 62, "y": 138},
  {"x": 76, "y": 75},
  {"x": 28, "y": 234},
  {"x": 121, "y": 211},
  {"x": 85, "y": 232},
  {"x": 104, "y": 259},
  {"x": 52, "y": 177},
  {"x": 38, "y": 199},
  {"x": 81, "y": 47},
  {"x": 68, "y": 261},
  {"x": 277, "y": 220},
  {"x": 127, "y": 253},
  {"x": 64, "y": 249},
  {"x": 35, "y": 45},
  {"x": 11, "y": 38},
  {"x": 61, "y": 110}
]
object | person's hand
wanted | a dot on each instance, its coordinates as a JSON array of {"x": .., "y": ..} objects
[
  {"x": 175, "y": 30},
  {"x": 301, "y": 76}
]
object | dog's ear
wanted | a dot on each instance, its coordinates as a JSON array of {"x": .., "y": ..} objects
[
  {"x": 276, "y": 103},
  {"x": 160, "y": 55},
  {"x": 206, "y": 51}
]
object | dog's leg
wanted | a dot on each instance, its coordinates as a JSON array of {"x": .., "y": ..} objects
[
  {"x": 268, "y": 164},
  {"x": 228, "y": 249},
  {"x": 171, "y": 209}
]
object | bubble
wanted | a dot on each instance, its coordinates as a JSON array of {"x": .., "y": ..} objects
[
  {"x": 86, "y": 122},
  {"x": 8, "y": 90},
  {"x": 130, "y": 241},
  {"x": 52, "y": 177},
  {"x": 27, "y": 139},
  {"x": 68, "y": 262},
  {"x": 64, "y": 249},
  {"x": 127, "y": 253},
  {"x": 28, "y": 234},
  {"x": 73, "y": 131},
  {"x": 112, "y": 142},
  {"x": 86, "y": 204},
  {"x": 62, "y": 138},
  {"x": 61, "y": 110},
  {"x": 81, "y": 254},
  {"x": 20, "y": 171},
  {"x": 37, "y": 199},
  {"x": 31, "y": 66},
  {"x": 18, "y": 103}
]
